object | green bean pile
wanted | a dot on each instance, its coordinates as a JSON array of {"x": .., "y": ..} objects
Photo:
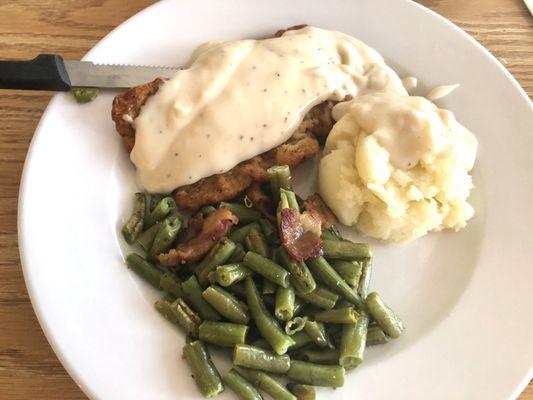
[{"x": 307, "y": 321}]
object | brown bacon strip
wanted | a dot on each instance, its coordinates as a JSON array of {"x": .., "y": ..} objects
[
  {"x": 216, "y": 225},
  {"x": 315, "y": 204},
  {"x": 300, "y": 234}
]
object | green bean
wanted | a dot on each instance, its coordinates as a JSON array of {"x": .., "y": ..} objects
[
  {"x": 353, "y": 342},
  {"x": 291, "y": 198},
  {"x": 346, "y": 315},
  {"x": 283, "y": 204},
  {"x": 225, "y": 334},
  {"x": 269, "y": 231},
  {"x": 375, "y": 336},
  {"x": 267, "y": 384},
  {"x": 145, "y": 269},
  {"x": 267, "y": 268},
  {"x": 320, "y": 297},
  {"x": 257, "y": 358},
  {"x": 193, "y": 293},
  {"x": 84, "y": 94},
  {"x": 295, "y": 325},
  {"x": 237, "y": 255},
  {"x": 350, "y": 271},
  {"x": 203, "y": 370},
  {"x": 170, "y": 283},
  {"x": 266, "y": 324},
  {"x": 346, "y": 250},
  {"x": 146, "y": 239},
  {"x": 218, "y": 255},
  {"x": 243, "y": 213},
  {"x": 185, "y": 317},
  {"x": 163, "y": 306},
  {"x": 153, "y": 202},
  {"x": 325, "y": 273},
  {"x": 280, "y": 177},
  {"x": 206, "y": 210},
  {"x": 226, "y": 275},
  {"x": 226, "y": 304},
  {"x": 384, "y": 316},
  {"x": 132, "y": 229},
  {"x": 317, "y": 332},
  {"x": 328, "y": 235},
  {"x": 179, "y": 313},
  {"x": 269, "y": 287},
  {"x": 343, "y": 303},
  {"x": 255, "y": 241},
  {"x": 331, "y": 233},
  {"x": 285, "y": 302},
  {"x": 316, "y": 374},
  {"x": 301, "y": 339},
  {"x": 165, "y": 206},
  {"x": 166, "y": 235},
  {"x": 238, "y": 235},
  {"x": 323, "y": 356},
  {"x": 242, "y": 388},
  {"x": 301, "y": 278},
  {"x": 364, "y": 281},
  {"x": 302, "y": 392}
]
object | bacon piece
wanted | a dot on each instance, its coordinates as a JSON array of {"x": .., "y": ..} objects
[
  {"x": 216, "y": 225},
  {"x": 300, "y": 234},
  {"x": 318, "y": 207},
  {"x": 261, "y": 201},
  {"x": 193, "y": 228}
]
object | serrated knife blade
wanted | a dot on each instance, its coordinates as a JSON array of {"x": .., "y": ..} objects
[
  {"x": 51, "y": 72},
  {"x": 88, "y": 74}
]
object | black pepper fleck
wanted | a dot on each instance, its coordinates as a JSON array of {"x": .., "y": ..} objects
[
  {"x": 176, "y": 154},
  {"x": 264, "y": 90},
  {"x": 278, "y": 74},
  {"x": 251, "y": 138},
  {"x": 265, "y": 125},
  {"x": 190, "y": 177},
  {"x": 208, "y": 135},
  {"x": 254, "y": 67},
  {"x": 241, "y": 137},
  {"x": 304, "y": 91}
]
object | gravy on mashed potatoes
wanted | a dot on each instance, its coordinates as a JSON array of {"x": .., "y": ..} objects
[{"x": 397, "y": 167}]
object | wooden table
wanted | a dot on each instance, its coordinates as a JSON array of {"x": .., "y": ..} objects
[{"x": 28, "y": 367}]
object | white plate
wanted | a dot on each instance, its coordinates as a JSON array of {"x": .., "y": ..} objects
[{"x": 465, "y": 297}]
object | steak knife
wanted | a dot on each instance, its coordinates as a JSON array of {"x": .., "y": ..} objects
[{"x": 51, "y": 72}]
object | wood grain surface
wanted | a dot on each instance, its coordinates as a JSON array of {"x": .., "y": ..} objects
[{"x": 28, "y": 367}]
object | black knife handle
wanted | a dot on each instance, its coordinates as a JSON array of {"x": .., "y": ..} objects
[{"x": 44, "y": 72}]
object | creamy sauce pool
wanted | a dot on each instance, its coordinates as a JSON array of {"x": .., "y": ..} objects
[{"x": 239, "y": 99}]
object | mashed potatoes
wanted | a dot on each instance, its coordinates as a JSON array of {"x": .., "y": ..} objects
[{"x": 396, "y": 167}]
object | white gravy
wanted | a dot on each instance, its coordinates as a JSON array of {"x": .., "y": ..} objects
[{"x": 239, "y": 99}]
